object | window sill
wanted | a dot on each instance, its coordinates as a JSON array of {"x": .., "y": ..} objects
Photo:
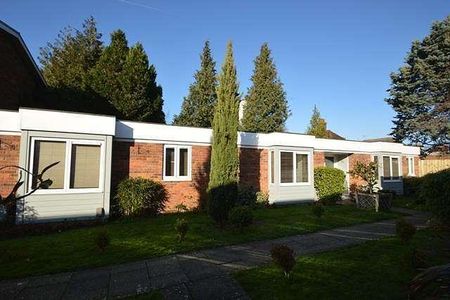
[{"x": 176, "y": 179}]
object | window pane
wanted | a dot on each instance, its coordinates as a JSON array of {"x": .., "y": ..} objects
[
  {"x": 329, "y": 161},
  {"x": 85, "y": 166},
  {"x": 375, "y": 160},
  {"x": 183, "y": 162},
  {"x": 46, "y": 153},
  {"x": 170, "y": 161},
  {"x": 302, "y": 168},
  {"x": 386, "y": 167},
  {"x": 272, "y": 166},
  {"x": 287, "y": 167},
  {"x": 395, "y": 174}
]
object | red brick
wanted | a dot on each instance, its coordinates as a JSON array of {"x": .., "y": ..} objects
[{"x": 9, "y": 155}]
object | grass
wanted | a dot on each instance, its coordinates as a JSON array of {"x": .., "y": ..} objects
[
  {"x": 409, "y": 202},
  {"x": 373, "y": 270},
  {"x": 134, "y": 239}
]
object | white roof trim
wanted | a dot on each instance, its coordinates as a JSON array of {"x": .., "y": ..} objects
[
  {"x": 9, "y": 121},
  {"x": 58, "y": 121}
]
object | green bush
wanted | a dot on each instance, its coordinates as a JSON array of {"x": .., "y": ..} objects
[
  {"x": 329, "y": 184},
  {"x": 241, "y": 216},
  {"x": 182, "y": 227},
  {"x": 318, "y": 210},
  {"x": 262, "y": 198},
  {"x": 102, "y": 240},
  {"x": 220, "y": 201},
  {"x": 411, "y": 186},
  {"x": 246, "y": 196},
  {"x": 140, "y": 197},
  {"x": 435, "y": 191},
  {"x": 283, "y": 257},
  {"x": 405, "y": 230}
]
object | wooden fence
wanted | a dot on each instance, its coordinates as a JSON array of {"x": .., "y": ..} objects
[{"x": 432, "y": 164}]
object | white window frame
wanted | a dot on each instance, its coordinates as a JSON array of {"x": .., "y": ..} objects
[
  {"x": 410, "y": 162},
  {"x": 176, "y": 166},
  {"x": 294, "y": 169},
  {"x": 67, "y": 164},
  {"x": 399, "y": 159},
  {"x": 271, "y": 164}
]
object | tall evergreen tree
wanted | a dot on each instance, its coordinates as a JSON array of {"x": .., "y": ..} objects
[
  {"x": 266, "y": 108},
  {"x": 198, "y": 107},
  {"x": 420, "y": 90},
  {"x": 317, "y": 125},
  {"x": 67, "y": 61},
  {"x": 224, "y": 156},
  {"x": 141, "y": 96},
  {"x": 105, "y": 76}
]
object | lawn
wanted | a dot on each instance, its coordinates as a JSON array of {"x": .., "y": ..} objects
[
  {"x": 373, "y": 270},
  {"x": 133, "y": 239},
  {"x": 409, "y": 202}
]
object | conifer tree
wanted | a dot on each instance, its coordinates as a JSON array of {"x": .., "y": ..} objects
[
  {"x": 266, "y": 108},
  {"x": 420, "y": 91},
  {"x": 317, "y": 125},
  {"x": 198, "y": 107},
  {"x": 141, "y": 96},
  {"x": 224, "y": 154},
  {"x": 105, "y": 76}
]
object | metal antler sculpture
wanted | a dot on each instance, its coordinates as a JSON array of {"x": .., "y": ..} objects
[{"x": 10, "y": 201}]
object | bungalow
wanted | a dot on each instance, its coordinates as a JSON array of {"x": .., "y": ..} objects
[{"x": 95, "y": 152}]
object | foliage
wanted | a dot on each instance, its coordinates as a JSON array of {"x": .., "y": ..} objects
[
  {"x": 222, "y": 188},
  {"x": 318, "y": 210},
  {"x": 140, "y": 197},
  {"x": 368, "y": 172},
  {"x": 317, "y": 125},
  {"x": 435, "y": 190},
  {"x": 197, "y": 109},
  {"x": 11, "y": 200},
  {"x": 411, "y": 186},
  {"x": 284, "y": 258},
  {"x": 181, "y": 207},
  {"x": 262, "y": 198},
  {"x": 405, "y": 230},
  {"x": 266, "y": 108},
  {"x": 143, "y": 238},
  {"x": 246, "y": 195},
  {"x": 419, "y": 92},
  {"x": 182, "y": 227},
  {"x": 102, "y": 240},
  {"x": 241, "y": 216},
  {"x": 329, "y": 184}
]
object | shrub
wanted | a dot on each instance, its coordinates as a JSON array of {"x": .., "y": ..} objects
[
  {"x": 367, "y": 172},
  {"x": 435, "y": 190},
  {"x": 411, "y": 186},
  {"x": 102, "y": 240},
  {"x": 139, "y": 197},
  {"x": 246, "y": 196},
  {"x": 283, "y": 257},
  {"x": 220, "y": 200},
  {"x": 182, "y": 227},
  {"x": 318, "y": 210},
  {"x": 405, "y": 230},
  {"x": 181, "y": 208},
  {"x": 329, "y": 184},
  {"x": 262, "y": 198},
  {"x": 241, "y": 216}
]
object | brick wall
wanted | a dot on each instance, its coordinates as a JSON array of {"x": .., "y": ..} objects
[
  {"x": 352, "y": 160},
  {"x": 146, "y": 160},
  {"x": 9, "y": 155},
  {"x": 319, "y": 159},
  {"x": 254, "y": 168}
]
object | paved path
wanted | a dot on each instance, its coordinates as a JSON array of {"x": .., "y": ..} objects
[{"x": 202, "y": 274}]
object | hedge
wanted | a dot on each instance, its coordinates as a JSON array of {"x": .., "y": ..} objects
[
  {"x": 435, "y": 191},
  {"x": 329, "y": 184}
]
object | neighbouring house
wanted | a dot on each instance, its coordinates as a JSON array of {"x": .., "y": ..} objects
[{"x": 97, "y": 151}]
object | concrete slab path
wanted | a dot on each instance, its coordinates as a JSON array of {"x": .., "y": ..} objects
[{"x": 203, "y": 274}]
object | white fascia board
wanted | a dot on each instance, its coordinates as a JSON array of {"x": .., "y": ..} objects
[
  {"x": 9, "y": 121},
  {"x": 162, "y": 133},
  {"x": 72, "y": 122},
  {"x": 364, "y": 147}
]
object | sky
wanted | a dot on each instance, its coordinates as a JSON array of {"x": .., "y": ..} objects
[{"x": 334, "y": 54}]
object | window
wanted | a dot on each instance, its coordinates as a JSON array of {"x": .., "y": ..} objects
[
  {"x": 294, "y": 167},
  {"x": 391, "y": 168},
  {"x": 177, "y": 163},
  {"x": 411, "y": 166},
  {"x": 329, "y": 161},
  {"x": 79, "y": 167},
  {"x": 375, "y": 160}
]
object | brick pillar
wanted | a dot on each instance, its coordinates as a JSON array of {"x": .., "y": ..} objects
[{"x": 319, "y": 159}]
